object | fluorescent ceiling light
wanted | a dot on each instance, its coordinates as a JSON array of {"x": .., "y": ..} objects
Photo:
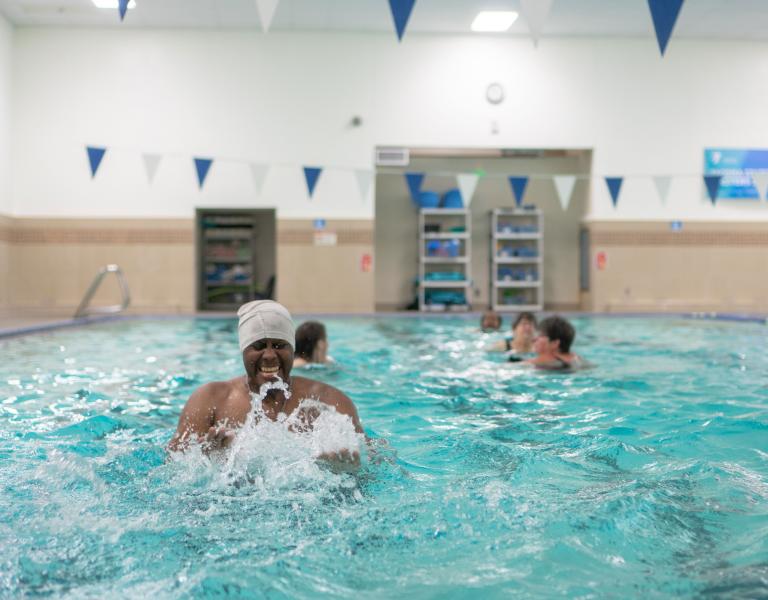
[
  {"x": 493, "y": 20},
  {"x": 111, "y": 3}
]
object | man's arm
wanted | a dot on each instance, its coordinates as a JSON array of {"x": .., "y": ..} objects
[{"x": 196, "y": 421}]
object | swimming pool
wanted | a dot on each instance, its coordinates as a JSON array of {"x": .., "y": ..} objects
[{"x": 644, "y": 477}]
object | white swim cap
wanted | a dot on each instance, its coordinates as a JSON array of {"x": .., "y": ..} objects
[{"x": 262, "y": 319}]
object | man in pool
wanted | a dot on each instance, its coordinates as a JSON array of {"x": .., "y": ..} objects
[{"x": 216, "y": 410}]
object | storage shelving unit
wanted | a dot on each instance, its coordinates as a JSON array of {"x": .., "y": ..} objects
[
  {"x": 235, "y": 248},
  {"x": 516, "y": 273},
  {"x": 444, "y": 259}
]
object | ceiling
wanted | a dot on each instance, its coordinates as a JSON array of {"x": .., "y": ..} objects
[{"x": 710, "y": 19}]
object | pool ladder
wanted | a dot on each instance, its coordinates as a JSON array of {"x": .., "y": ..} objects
[{"x": 85, "y": 311}]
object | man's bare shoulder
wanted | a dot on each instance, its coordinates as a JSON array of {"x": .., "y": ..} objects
[
  {"x": 311, "y": 388},
  {"x": 217, "y": 392}
]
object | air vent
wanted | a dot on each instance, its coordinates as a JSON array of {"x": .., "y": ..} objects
[{"x": 392, "y": 157}]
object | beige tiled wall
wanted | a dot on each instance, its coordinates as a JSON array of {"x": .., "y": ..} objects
[
  {"x": 704, "y": 267},
  {"x": 317, "y": 278},
  {"x": 46, "y": 265},
  {"x": 5, "y": 250},
  {"x": 53, "y": 261}
]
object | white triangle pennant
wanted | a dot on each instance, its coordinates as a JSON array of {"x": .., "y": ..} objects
[
  {"x": 662, "y": 183},
  {"x": 467, "y": 183},
  {"x": 564, "y": 185},
  {"x": 151, "y": 163},
  {"x": 536, "y": 12},
  {"x": 760, "y": 179},
  {"x": 266, "y": 9},
  {"x": 259, "y": 174},
  {"x": 364, "y": 182}
]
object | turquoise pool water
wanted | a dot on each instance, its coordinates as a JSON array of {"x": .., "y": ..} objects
[{"x": 644, "y": 477}]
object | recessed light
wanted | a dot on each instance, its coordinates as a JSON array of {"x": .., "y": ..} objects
[
  {"x": 494, "y": 20},
  {"x": 111, "y": 3}
]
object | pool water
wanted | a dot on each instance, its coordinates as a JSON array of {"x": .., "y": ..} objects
[{"x": 646, "y": 476}]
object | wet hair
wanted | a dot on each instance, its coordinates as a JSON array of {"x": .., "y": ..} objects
[
  {"x": 524, "y": 316},
  {"x": 557, "y": 328},
  {"x": 490, "y": 313},
  {"x": 307, "y": 336}
]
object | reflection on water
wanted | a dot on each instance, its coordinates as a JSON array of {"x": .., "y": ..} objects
[{"x": 649, "y": 473}]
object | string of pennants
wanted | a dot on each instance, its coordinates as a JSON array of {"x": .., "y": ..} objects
[
  {"x": 466, "y": 182},
  {"x": 664, "y": 15},
  {"x": 564, "y": 184},
  {"x": 203, "y": 165}
]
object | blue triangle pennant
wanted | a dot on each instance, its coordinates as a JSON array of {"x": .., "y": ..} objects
[
  {"x": 664, "y": 14},
  {"x": 122, "y": 7},
  {"x": 95, "y": 155},
  {"x": 401, "y": 12},
  {"x": 713, "y": 186},
  {"x": 312, "y": 174},
  {"x": 414, "y": 181},
  {"x": 614, "y": 187},
  {"x": 518, "y": 188},
  {"x": 202, "y": 165}
]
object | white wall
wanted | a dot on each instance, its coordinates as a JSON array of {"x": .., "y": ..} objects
[
  {"x": 6, "y": 47},
  {"x": 286, "y": 99}
]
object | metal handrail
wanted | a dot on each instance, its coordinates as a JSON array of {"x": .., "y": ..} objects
[{"x": 84, "y": 311}]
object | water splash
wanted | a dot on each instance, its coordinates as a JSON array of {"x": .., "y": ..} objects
[{"x": 284, "y": 452}]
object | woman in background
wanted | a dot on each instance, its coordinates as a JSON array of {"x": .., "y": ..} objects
[
  {"x": 523, "y": 334},
  {"x": 311, "y": 344}
]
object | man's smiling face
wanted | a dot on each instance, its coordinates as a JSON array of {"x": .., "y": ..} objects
[{"x": 266, "y": 360}]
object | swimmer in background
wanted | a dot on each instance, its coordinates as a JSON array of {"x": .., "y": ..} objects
[
  {"x": 311, "y": 345},
  {"x": 523, "y": 333},
  {"x": 216, "y": 411},
  {"x": 553, "y": 346},
  {"x": 490, "y": 321}
]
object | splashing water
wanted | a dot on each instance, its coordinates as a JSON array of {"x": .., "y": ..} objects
[{"x": 282, "y": 452}]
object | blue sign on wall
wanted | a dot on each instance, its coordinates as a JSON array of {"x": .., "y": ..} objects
[{"x": 734, "y": 166}]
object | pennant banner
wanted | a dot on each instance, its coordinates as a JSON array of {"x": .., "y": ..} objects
[
  {"x": 259, "y": 174},
  {"x": 664, "y": 14},
  {"x": 536, "y": 12},
  {"x": 311, "y": 175},
  {"x": 414, "y": 181},
  {"x": 564, "y": 185},
  {"x": 202, "y": 166},
  {"x": 614, "y": 187},
  {"x": 95, "y": 154},
  {"x": 662, "y": 183},
  {"x": 713, "y": 186},
  {"x": 401, "y": 12},
  {"x": 122, "y": 7},
  {"x": 518, "y": 189},
  {"x": 151, "y": 163},
  {"x": 760, "y": 179},
  {"x": 467, "y": 183},
  {"x": 266, "y": 10},
  {"x": 364, "y": 181}
]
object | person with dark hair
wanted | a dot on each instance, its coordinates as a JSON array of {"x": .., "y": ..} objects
[
  {"x": 490, "y": 321},
  {"x": 553, "y": 345},
  {"x": 311, "y": 344},
  {"x": 521, "y": 340}
]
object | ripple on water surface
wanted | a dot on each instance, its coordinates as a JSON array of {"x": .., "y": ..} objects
[{"x": 646, "y": 476}]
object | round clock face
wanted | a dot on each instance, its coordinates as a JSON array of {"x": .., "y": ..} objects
[{"x": 494, "y": 93}]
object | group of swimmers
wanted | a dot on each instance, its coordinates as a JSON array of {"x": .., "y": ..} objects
[
  {"x": 544, "y": 345},
  {"x": 270, "y": 346}
]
